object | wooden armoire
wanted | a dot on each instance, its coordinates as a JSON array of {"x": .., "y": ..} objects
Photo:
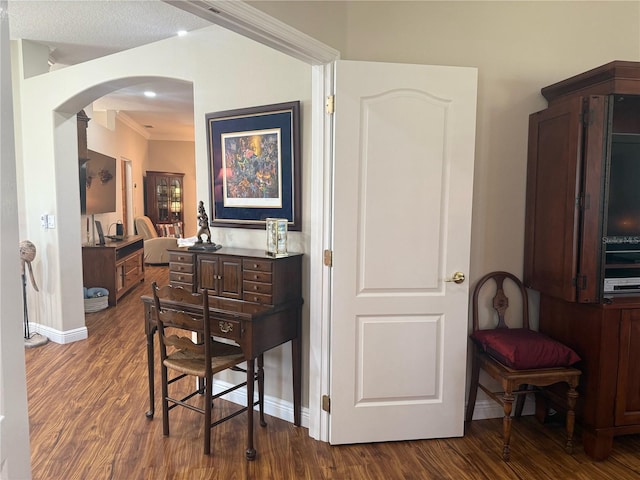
[{"x": 582, "y": 239}]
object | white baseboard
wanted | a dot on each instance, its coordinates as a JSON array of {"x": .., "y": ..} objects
[
  {"x": 275, "y": 407},
  {"x": 57, "y": 336}
]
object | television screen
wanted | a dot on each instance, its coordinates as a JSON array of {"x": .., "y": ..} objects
[
  {"x": 98, "y": 184},
  {"x": 624, "y": 187}
]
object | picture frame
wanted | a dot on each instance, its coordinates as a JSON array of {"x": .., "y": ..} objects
[{"x": 254, "y": 165}]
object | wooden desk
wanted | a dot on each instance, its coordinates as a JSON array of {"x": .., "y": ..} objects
[{"x": 257, "y": 304}]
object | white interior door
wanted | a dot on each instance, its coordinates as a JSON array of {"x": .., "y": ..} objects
[{"x": 403, "y": 182}]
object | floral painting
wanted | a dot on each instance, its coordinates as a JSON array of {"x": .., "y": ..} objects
[
  {"x": 254, "y": 159},
  {"x": 251, "y": 169}
]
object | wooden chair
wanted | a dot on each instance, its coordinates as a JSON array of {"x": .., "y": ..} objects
[
  {"x": 181, "y": 314},
  {"x": 517, "y": 358}
]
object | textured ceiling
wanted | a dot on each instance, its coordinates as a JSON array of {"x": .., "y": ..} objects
[{"x": 78, "y": 31}]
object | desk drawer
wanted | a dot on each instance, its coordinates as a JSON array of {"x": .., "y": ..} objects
[
  {"x": 181, "y": 267},
  {"x": 255, "y": 287},
  {"x": 258, "y": 298},
  {"x": 257, "y": 265},
  {"x": 254, "y": 276},
  {"x": 231, "y": 329},
  {"x": 177, "y": 277},
  {"x": 179, "y": 257}
]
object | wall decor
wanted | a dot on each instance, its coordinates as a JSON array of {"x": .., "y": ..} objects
[{"x": 254, "y": 165}]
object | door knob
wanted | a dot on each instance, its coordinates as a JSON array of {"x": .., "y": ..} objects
[{"x": 457, "y": 277}]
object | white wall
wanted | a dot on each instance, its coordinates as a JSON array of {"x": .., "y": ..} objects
[
  {"x": 227, "y": 72},
  {"x": 518, "y": 47}
]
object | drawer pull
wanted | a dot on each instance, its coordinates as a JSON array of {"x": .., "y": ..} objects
[{"x": 225, "y": 327}]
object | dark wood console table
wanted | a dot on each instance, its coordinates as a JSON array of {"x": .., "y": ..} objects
[
  {"x": 116, "y": 266},
  {"x": 257, "y": 304}
]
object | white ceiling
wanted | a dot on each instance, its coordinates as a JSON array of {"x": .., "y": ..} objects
[{"x": 80, "y": 30}]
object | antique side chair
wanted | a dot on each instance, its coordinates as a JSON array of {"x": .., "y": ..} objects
[{"x": 517, "y": 357}]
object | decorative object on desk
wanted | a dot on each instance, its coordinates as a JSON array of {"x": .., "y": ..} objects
[
  {"x": 254, "y": 161},
  {"x": 27, "y": 255},
  {"x": 276, "y": 237},
  {"x": 203, "y": 222}
]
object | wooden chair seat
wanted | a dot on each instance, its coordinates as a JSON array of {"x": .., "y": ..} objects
[{"x": 515, "y": 368}]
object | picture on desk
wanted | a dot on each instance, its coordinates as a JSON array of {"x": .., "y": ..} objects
[{"x": 255, "y": 166}]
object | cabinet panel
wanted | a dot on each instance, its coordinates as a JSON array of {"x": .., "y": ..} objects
[
  {"x": 231, "y": 281},
  {"x": 628, "y": 396},
  {"x": 553, "y": 186},
  {"x": 207, "y": 268}
]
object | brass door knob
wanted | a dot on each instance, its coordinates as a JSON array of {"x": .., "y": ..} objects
[{"x": 457, "y": 277}]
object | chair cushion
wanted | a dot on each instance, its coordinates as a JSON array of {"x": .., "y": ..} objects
[{"x": 524, "y": 349}]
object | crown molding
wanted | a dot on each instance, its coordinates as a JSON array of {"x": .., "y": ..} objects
[{"x": 252, "y": 23}]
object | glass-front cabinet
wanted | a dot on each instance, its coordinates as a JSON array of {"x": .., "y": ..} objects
[{"x": 164, "y": 197}]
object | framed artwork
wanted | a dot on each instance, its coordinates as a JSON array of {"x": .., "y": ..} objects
[{"x": 254, "y": 165}]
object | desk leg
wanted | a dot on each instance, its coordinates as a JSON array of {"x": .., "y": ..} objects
[
  {"x": 261, "y": 389},
  {"x": 296, "y": 361},
  {"x": 150, "y": 413},
  {"x": 251, "y": 452}
]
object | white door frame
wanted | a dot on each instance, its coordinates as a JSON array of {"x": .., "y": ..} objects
[{"x": 252, "y": 23}]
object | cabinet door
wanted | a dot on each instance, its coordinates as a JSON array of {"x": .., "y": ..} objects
[
  {"x": 628, "y": 391},
  {"x": 589, "y": 278},
  {"x": 175, "y": 198},
  {"x": 221, "y": 275},
  {"x": 230, "y": 285},
  {"x": 207, "y": 269},
  {"x": 555, "y": 198}
]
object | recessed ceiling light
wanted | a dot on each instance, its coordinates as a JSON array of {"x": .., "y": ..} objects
[
  {"x": 149, "y": 94},
  {"x": 182, "y": 33}
]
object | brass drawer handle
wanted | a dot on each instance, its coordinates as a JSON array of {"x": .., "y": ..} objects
[{"x": 225, "y": 327}]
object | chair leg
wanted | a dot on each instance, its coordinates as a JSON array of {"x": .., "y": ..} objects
[
  {"x": 473, "y": 387},
  {"x": 506, "y": 424},
  {"x": 261, "y": 389},
  {"x": 521, "y": 399},
  {"x": 165, "y": 402},
  {"x": 572, "y": 397},
  {"x": 208, "y": 393}
]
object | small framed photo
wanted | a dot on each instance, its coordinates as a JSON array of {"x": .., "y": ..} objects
[{"x": 254, "y": 161}]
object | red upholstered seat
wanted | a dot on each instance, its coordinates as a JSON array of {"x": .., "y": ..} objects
[{"x": 524, "y": 349}]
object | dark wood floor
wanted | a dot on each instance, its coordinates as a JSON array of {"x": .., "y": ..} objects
[{"x": 87, "y": 402}]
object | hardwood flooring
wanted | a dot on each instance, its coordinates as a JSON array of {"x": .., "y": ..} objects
[{"x": 87, "y": 404}]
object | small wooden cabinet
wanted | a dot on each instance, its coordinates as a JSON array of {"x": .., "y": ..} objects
[
  {"x": 239, "y": 274},
  {"x": 117, "y": 266},
  {"x": 164, "y": 197},
  {"x": 582, "y": 239}
]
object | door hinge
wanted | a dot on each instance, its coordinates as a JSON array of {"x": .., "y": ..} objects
[
  {"x": 328, "y": 258},
  {"x": 326, "y": 403},
  {"x": 580, "y": 282},
  {"x": 331, "y": 104}
]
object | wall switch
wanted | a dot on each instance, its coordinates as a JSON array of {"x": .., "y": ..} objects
[
  {"x": 51, "y": 221},
  {"x": 44, "y": 222}
]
